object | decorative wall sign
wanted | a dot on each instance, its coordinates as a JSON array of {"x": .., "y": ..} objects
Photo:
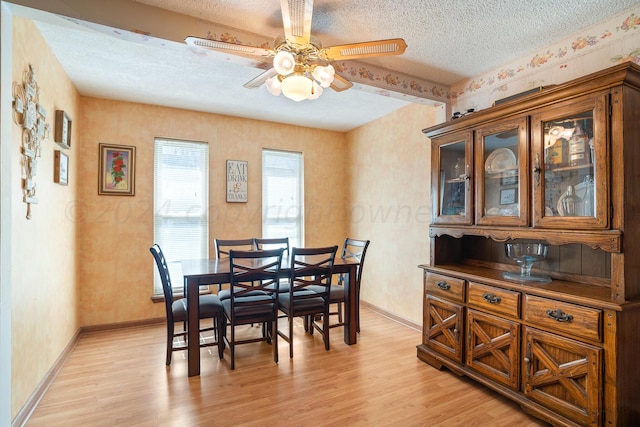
[
  {"x": 28, "y": 113},
  {"x": 237, "y": 181},
  {"x": 117, "y": 170},
  {"x": 63, "y": 129},
  {"x": 60, "y": 168}
]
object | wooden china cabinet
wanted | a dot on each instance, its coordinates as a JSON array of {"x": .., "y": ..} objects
[{"x": 559, "y": 167}]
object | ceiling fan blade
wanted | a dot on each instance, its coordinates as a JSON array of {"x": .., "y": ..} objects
[
  {"x": 234, "y": 48},
  {"x": 260, "y": 79},
  {"x": 296, "y": 19},
  {"x": 364, "y": 49},
  {"x": 340, "y": 83}
]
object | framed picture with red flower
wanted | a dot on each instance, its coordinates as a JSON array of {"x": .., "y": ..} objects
[{"x": 117, "y": 170}]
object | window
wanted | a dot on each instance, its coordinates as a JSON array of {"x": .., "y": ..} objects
[
  {"x": 283, "y": 196},
  {"x": 180, "y": 204}
]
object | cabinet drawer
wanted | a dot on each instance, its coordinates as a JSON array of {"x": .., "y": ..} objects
[
  {"x": 494, "y": 300},
  {"x": 444, "y": 286},
  {"x": 564, "y": 318}
]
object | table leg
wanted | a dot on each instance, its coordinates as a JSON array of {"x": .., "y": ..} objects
[
  {"x": 350, "y": 307},
  {"x": 193, "y": 326}
]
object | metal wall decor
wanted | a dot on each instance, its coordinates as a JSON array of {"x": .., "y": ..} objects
[{"x": 28, "y": 113}]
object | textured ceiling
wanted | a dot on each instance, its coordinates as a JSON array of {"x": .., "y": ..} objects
[{"x": 447, "y": 42}]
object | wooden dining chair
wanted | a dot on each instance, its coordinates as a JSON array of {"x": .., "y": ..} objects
[
  {"x": 250, "y": 300},
  {"x": 224, "y": 245},
  {"x": 273, "y": 243},
  {"x": 222, "y": 250},
  {"x": 356, "y": 250},
  {"x": 309, "y": 288},
  {"x": 176, "y": 311}
]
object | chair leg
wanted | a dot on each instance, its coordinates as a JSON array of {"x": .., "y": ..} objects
[
  {"x": 220, "y": 329},
  {"x": 325, "y": 330},
  {"x": 291, "y": 336},
  {"x": 170, "y": 329},
  {"x": 339, "y": 312},
  {"x": 274, "y": 338},
  {"x": 232, "y": 347},
  {"x": 358, "y": 309}
]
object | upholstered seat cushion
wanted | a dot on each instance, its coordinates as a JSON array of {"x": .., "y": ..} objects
[
  {"x": 301, "y": 304},
  {"x": 249, "y": 310},
  {"x": 283, "y": 287},
  {"x": 226, "y": 293},
  {"x": 210, "y": 306},
  {"x": 337, "y": 292}
]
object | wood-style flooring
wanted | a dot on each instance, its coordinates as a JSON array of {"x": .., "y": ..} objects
[{"x": 118, "y": 378}]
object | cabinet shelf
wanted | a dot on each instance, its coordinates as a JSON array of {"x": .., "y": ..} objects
[
  {"x": 607, "y": 240},
  {"x": 570, "y": 168}
]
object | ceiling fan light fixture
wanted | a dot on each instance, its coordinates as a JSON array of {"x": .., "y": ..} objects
[
  {"x": 284, "y": 62},
  {"x": 297, "y": 87},
  {"x": 324, "y": 75},
  {"x": 273, "y": 85},
  {"x": 316, "y": 91}
]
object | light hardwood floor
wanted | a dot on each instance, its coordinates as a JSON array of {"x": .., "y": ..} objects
[{"x": 118, "y": 378}]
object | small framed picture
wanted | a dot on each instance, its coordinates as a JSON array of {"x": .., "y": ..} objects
[
  {"x": 237, "y": 181},
  {"x": 63, "y": 129},
  {"x": 508, "y": 196},
  {"x": 60, "y": 168},
  {"x": 509, "y": 178},
  {"x": 117, "y": 170}
]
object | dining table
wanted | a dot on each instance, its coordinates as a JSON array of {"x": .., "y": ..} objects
[{"x": 216, "y": 271}]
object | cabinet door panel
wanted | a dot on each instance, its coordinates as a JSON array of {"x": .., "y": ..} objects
[
  {"x": 502, "y": 173},
  {"x": 443, "y": 328},
  {"x": 493, "y": 347},
  {"x": 451, "y": 184},
  {"x": 564, "y": 375},
  {"x": 570, "y": 164}
]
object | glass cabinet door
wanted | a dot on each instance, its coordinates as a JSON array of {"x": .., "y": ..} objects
[
  {"x": 451, "y": 179},
  {"x": 502, "y": 179},
  {"x": 570, "y": 170}
]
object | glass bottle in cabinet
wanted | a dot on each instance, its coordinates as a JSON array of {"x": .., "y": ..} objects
[
  {"x": 451, "y": 174},
  {"x": 569, "y": 168},
  {"x": 502, "y": 181}
]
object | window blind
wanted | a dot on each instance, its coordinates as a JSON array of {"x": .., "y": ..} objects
[
  {"x": 181, "y": 200},
  {"x": 283, "y": 196}
]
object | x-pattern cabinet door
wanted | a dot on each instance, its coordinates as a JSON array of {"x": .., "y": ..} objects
[
  {"x": 564, "y": 375},
  {"x": 493, "y": 347},
  {"x": 443, "y": 328}
]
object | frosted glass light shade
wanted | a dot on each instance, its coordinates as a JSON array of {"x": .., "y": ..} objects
[
  {"x": 324, "y": 75},
  {"x": 284, "y": 62},
  {"x": 297, "y": 87},
  {"x": 273, "y": 85}
]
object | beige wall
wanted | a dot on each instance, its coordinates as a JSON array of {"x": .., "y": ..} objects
[
  {"x": 83, "y": 259},
  {"x": 43, "y": 279},
  {"x": 115, "y": 232},
  {"x": 389, "y": 163}
]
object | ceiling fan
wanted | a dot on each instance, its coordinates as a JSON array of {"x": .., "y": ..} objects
[{"x": 301, "y": 66}]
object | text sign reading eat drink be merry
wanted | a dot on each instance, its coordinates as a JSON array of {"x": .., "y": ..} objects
[{"x": 237, "y": 178}]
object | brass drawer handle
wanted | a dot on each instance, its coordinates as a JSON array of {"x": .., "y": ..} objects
[
  {"x": 491, "y": 298},
  {"x": 443, "y": 285},
  {"x": 559, "y": 315}
]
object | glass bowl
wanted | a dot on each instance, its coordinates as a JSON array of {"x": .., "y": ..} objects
[{"x": 525, "y": 255}]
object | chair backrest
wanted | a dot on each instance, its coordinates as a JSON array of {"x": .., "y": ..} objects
[
  {"x": 163, "y": 271},
  {"x": 354, "y": 249},
  {"x": 273, "y": 243},
  {"x": 311, "y": 267},
  {"x": 224, "y": 245},
  {"x": 254, "y": 273}
]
